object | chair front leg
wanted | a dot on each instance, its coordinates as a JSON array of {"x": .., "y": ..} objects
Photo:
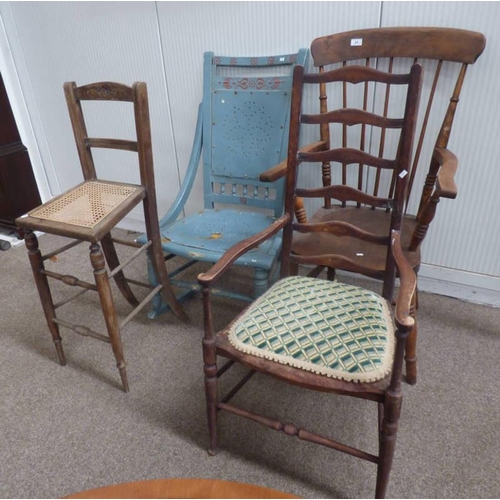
[
  {"x": 210, "y": 371},
  {"x": 42, "y": 285},
  {"x": 108, "y": 309},
  {"x": 387, "y": 441}
]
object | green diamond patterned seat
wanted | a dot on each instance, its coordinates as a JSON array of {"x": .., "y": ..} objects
[{"x": 329, "y": 328}]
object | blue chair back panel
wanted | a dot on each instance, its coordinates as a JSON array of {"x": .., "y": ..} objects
[
  {"x": 247, "y": 132},
  {"x": 245, "y": 127}
]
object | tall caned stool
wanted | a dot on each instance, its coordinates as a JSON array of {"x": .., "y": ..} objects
[{"x": 89, "y": 212}]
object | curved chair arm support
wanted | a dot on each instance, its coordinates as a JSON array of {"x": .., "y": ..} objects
[
  {"x": 408, "y": 284},
  {"x": 439, "y": 184},
  {"x": 187, "y": 184},
  {"x": 279, "y": 170},
  {"x": 445, "y": 185},
  {"x": 235, "y": 252}
]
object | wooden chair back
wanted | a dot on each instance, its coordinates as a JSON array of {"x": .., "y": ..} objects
[
  {"x": 359, "y": 118},
  {"x": 445, "y": 54},
  {"x": 110, "y": 91},
  {"x": 90, "y": 211}
]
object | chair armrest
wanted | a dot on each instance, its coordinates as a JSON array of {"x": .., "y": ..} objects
[
  {"x": 408, "y": 284},
  {"x": 187, "y": 183},
  {"x": 279, "y": 170},
  {"x": 445, "y": 184},
  {"x": 232, "y": 254}
]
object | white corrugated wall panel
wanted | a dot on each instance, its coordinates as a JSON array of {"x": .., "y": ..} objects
[
  {"x": 88, "y": 42},
  {"x": 188, "y": 29},
  {"x": 465, "y": 235}
]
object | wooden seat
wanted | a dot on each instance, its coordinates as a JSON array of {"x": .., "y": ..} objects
[
  {"x": 241, "y": 131},
  {"x": 320, "y": 334},
  {"x": 90, "y": 210},
  {"x": 445, "y": 54}
]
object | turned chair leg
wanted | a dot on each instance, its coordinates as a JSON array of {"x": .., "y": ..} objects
[
  {"x": 42, "y": 285},
  {"x": 387, "y": 441},
  {"x": 211, "y": 395},
  {"x": 108, "y": 309},
  {"x": 411, "y": 345},
  {"x": 109, "y": 250},
  {"x": 210, "y": 371}
]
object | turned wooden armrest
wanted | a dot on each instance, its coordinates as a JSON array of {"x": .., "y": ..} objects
[
  {"x": 408, "y": 284},
  {"x": 445, "y": 184},
  {"x": 279, "y": 170},
  {"x": 232, "y": 254}
]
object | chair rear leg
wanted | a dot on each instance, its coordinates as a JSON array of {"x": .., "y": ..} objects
[
  {"x": 294, "y": 269},
  {"x": 330, "y": 274},
  {"x": 260, "y": 282},
  {"x": 156, "y": 303},
  {"x": 108, "y": 309},
  {"x": 411, "y": 345},
  {"x": 109, "y": 250},
  {"x": 42, "y": 285},
  {"x": 158, "y": 264}
]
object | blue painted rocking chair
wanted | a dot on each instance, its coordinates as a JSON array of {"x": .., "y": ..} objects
[{"x": 242, "y": 130}]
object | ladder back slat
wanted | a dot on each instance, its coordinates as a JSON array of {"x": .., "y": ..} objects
[
  {"x": 351, "y": 117},
  {"x": 342, "y": 155},
  {"x": 344, "y": 193},
  {"x": 111, "y": 144},
  {"x": 340, "y": 228}
]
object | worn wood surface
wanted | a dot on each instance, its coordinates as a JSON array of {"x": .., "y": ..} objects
[
  {"x": 182, "y": 488},
  {"x": 386, "y": 392},
  {"x": 102, "y": 248},
  {"x": 452, "y": 50}
]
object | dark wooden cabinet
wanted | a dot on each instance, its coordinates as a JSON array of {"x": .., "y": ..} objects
[{"x": 18, "y": 189}]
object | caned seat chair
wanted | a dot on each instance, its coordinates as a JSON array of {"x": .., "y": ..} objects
[
  {"x": 242, "y": 130},
  {"x": 89, "y": 211},
  {"x": 316, "y": 333},
  {"x": 445, "y": 54}
]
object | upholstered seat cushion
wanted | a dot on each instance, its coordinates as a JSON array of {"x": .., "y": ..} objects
[{"x": 333, "y": 329}]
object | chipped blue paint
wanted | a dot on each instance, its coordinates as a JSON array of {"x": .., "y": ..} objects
[{"x": 242, "y": 130}]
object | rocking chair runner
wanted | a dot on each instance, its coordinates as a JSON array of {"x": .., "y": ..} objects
[
  {"x": 241, "y": 131},
  {"x": 90, "y": 211},
  {"x": 314, "y": 333},
  {"x": 443, "y": 52}
]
